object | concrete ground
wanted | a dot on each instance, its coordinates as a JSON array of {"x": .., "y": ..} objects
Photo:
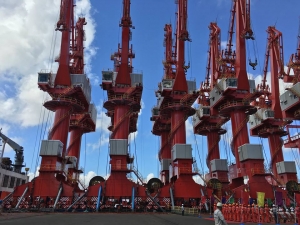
[{"x": 102, "y": 219}]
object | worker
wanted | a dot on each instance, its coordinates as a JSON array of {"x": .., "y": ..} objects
[
  {"x": 274, "y": 209},
  {"x": 182, "y": 209},
  {"x": 267, "y": 217},
  {"x": 218, "y": 216},
  {"x": 229, "y": 212},
  {"x": 1, "y": 206}
]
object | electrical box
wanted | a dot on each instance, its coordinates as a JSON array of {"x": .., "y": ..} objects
[
  {"x": 155, "y": 111},
  {"x": 250, "y": 151},
  {"x": 51, "y": 148},
  {"x": 252, "y": 86},
  {"x": 107, "y": 76},
  {"x": 165, "y": 163},
  {"x": 218, "y": 165},
  {"x": 44, "y": 77},
  {"x": 72, "y": 160},
  {"x": 167, "y": 85},
  {"x": 261, "y": 115},
  {"x": 289, "y": 97},
  {"x": 82, "y": 81},
  {"x": 231, "y": 83},
  {"x": 182, "y": 151},
  {"x": 118, "y": 147},
  {"x": 191, "y": 86},
  {"x": 286, "y": 167},
  {"x": 136, "y": 79}
]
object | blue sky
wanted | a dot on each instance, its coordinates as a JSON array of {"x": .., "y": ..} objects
[{"x": 26, "y": 36}]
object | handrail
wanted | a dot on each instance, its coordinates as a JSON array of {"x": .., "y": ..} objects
[
  {"x": 232, "y": 103},
  {"x": 138, "y": 174},
  {"x": 57, "y": 197},
  {"x": 77, "y": 200},
  {"x": 153, "y": 200},
  {"x": 8, "y": 196},
  {"x": 21, "y": 198}
]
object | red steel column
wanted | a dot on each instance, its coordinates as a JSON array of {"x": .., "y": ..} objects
[
  {"x": 239, "y": 134},
  {"x": 275, "y": 144},
  {"x": 179, "y": 136},
  {"x": 121, "y": 112},
  {"x": 75, "y": 143},
  {"x": 61, "y": 126},
  {"x": 213, "y": 146},
  {"x": 166, "y": 150}
]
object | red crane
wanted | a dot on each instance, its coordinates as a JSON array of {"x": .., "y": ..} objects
[
  {"x": 161, "y": 123},
  {"x": 268, "y": 122},
  {"x": 231, "y": 97},
  {"x": 294, "y": 64},
  {"x": 290, "y": 100},
  {"x": 71, "y": 95},
  {"x": 124, "y": 91},
  {"x": 80, "y": 123},
  {"x": 175, "y": 97},
  {"x": 208, "y": 124}
]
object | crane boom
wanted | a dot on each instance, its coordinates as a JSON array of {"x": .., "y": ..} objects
[
  {"x": 182, "y": 35},
  {"x": 19, "y": 158},
  {"x": 65, "y": 25},
  {"x": 123, "y": 58}
]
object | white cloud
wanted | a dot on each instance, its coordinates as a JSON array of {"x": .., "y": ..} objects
[
  {"x": 198, "y": 179},
  {"x": 85, "y": 178},
  {"x": 223, "y": 44},
  {"x": 282, "y": 85},
  {"x": 33, "y": 175},
  {"x": 26, "y": 46},
  {"x": 149, "y": 176},
  {"x": 189, "y": 127}
]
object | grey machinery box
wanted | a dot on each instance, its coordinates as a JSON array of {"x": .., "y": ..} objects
[
  {"x": 288, "y": 98},
  {"x": 165, "y": 163},
  {"x": 72, "y": 160},
  {"x": 218, "y": 165},
  {"x": 118, "y": 147},
  {"x": 250, "y": 151},
  {"x": 286, "y": 167},
  {"x": 81, "y": 80},
  {"x": 182, "y": 151},
  {"x": 51, "y": 148},
  {"x": 136, "y": 79}
]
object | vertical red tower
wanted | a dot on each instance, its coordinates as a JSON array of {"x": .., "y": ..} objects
[
  {"x": 162, "y": 123},
  {"x": 231, "y": 97},
  {"x": 268, "y": 122},
  {"x": 290, "y": 104},
  {"x": 124, "y": 91},
  {"x": 70, "y": 93},
  {"x": 175, "y": 98},
  {"x": 207, "y": 124},
  {"x": 84, "y": 122}
]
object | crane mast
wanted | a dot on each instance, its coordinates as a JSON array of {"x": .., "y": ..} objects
[
  {"x": 268, "y": 121},
  {"x": 84, "y": 122},
  {"x": 65, "y": 25},
  {"x": 205, "y": 122},
  {"x": 169, "y": 62},
  {"x": 70, "y": 93},
  {"x": 294, "y": 64},
  {"x": 182, "y": 35},
  {"x": 77, "y": 59},
  {"x": 124, "y": 55},
  {"x": 124, "y": 90},
  {"x": 175, "y": 96},
  {"x": 162, "y": 123},
  {"x": 19, "y": 158}
]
